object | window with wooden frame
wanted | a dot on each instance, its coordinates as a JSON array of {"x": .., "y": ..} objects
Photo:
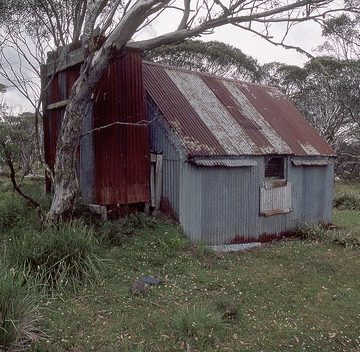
[{"x": 275, "y": 193}]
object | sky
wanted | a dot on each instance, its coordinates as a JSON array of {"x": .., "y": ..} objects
[{"x": 307, "y": 35}]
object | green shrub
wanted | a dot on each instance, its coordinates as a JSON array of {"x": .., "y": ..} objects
[
  {"x": 19, "y": 315},
  {"x": 58, "y": 258},
  {"x": 321, "y": 234},
  {"x": 198, "y": 325},
  {"x": 116, "y": 232},
  {"x": 347, "y": 201},
  {"x": 12, "y": 209}
]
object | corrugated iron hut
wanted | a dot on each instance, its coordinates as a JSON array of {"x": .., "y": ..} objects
[{"x": 235, "y": 162}]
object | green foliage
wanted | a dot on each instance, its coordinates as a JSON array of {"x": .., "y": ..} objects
[
  {"x": 342, "y": 35},
  {"x": 326, "y": 91},
  {"x": 348, "y": 239},
  {"x": 15, "y": 211},
  {"x": 12, "y": 209},
  {"x": 347, "y": 196},
  {"x": 17, "y": 142},
  {"x": 19, "y": 315},
  {"x": 211, "y": 57},
  {"x": 347, "y": 201},
  {"x": 57, "y": 258},
  {"x": 116, "y": 232},
  {"x": 200, "y": 326}
]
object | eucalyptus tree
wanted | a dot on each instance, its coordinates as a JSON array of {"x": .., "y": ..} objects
[
  {"x": 59, "y": 22},
  {"x": 342, "y": 34},
  {"x": 326, "y": 90},
  {"x": 212, "y": 57}
]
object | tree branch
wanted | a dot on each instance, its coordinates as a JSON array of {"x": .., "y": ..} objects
[{"x": 10, "y": 164}]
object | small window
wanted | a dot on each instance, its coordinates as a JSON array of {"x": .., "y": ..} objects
[
  {"x": 275, "y": 193},
  {"x": 275, "y": 167}
]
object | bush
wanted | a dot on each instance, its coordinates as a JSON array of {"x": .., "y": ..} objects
[
  {"x": 19, "y": 315},
  {"x": 116, "y": 232},
  {"x": 58, "y": 258},
  {"x": 198, "y": 325},
  {"x": 12, "y": 209},
  {"x": 347, "y": 201},
  {"x": 318, "y": 233}
]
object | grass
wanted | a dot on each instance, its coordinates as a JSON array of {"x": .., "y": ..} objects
[
  {"x": 57, "y": 258},
  {"x": 300, "y": 295},
  {"x": 198, "y": 326},
  {"x": 347, "y": 196},
  {"x": 288, "y": 296},
  {"x": 19, "y": 315}
]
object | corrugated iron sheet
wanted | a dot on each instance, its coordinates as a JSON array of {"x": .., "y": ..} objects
[
  {"x": 228, "y": 162},
  {"x": 59, "y": 88},
  {"x": 310, "y": 162},
  {"x": 213, "y": 116},
  {"x": 114, "y": 161},
  {"x": 122, "y": 154}
]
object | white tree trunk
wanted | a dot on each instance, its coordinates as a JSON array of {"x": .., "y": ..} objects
[{"x": 65, "y": 180}]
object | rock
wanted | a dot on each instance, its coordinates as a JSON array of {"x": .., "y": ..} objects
[
  {"x": 139, "y": 287},
  {"x": 150, "y": 280}
]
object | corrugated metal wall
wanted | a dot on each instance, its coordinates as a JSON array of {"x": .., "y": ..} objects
[
  {"x": 122, "y": 155},
  {"x": 114, "y": 163},
  {"x": 222, "y": 204},
  {"x": 160, "y": 143},
  {"x": 312, "y": 193}
]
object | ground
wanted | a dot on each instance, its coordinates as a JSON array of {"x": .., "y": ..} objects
[{"x": 297, "y": 295}]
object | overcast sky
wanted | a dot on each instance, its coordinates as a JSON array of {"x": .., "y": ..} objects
[{"x": 307, "y": 35}]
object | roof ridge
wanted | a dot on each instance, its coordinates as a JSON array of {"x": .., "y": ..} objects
[{"x": 201, "y": 73}]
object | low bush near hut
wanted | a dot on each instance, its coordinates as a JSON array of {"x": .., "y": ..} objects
[
  {"x": 58, "y": 258},
  {"x": 349, "y": 239},
  {"x": 19, "y": 315},
  {"x": 199, "y": 326},
  {"x": 115, "y": 233},
  {"x": 12, "y": 209},
  {"x": 347, "y": 201}
]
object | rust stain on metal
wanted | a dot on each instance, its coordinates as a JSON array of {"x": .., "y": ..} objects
[
  {"x": 196, "y": 137},
  {"x": 243, "y": 119},
  {"x": 250, "y": 126},
  {"x": 122, "y": 152},
  {"x": 264, "y": 237},
  {"x": 286, "y": 120},
  {"x": 213, "y": 114}
]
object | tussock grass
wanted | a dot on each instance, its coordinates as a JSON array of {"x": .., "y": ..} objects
[
  {"x": 199, "y": 326},
  {"x": 228, "y": 308},
  {"x": 12, "y": 210},
  {"x": 348, "y": 239},
  {"x": 57, "y": 258},
  {"x": 19, "y": 315},
  {"x": 347, "y": 196},
  {"x": 347, "y": 201},
  {"x": 117, "y": 232}
]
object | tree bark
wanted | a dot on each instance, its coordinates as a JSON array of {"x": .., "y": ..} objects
[{"x": 65, "y": 181}]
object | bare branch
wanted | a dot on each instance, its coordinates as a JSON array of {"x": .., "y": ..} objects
[
  {"x": 185, "y": 18},
  {"x": 116, "y": 123}
]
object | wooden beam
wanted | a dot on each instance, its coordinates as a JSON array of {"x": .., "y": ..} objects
[
  {"x": 64, "y": 59},
  {"x": 158, "y": 181},
  {"x": 57, "y": 105},
  {"x": 152, "y": 180}
]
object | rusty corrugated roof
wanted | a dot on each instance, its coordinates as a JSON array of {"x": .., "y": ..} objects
[{"x": 214, "y": 116}]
